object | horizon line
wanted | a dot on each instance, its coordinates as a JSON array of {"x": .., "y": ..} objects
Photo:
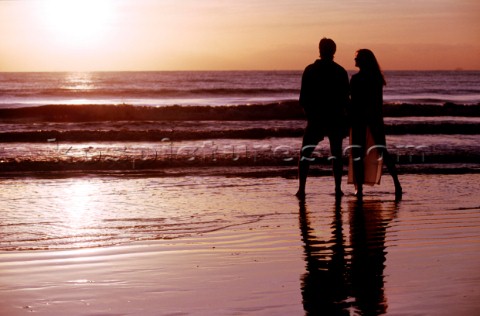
[{"x": 219, "y": 70}]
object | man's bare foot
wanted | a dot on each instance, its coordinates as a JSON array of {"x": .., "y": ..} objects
[
  {"x": 300, "y": 194},
  {"x": 339, "y": 192}
]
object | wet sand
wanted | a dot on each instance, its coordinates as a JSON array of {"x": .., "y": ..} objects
[{"x": 215, "y": 245}]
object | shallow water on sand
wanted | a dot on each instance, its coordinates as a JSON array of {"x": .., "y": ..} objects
[
  {"x": 416, "y": 257},
  {"x": 93, "y": 212}
]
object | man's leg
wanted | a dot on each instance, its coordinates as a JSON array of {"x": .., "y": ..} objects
[
  {"x": 337, "y": 161},
  {"x": 311, "y": 138},
  {"x": 303, "y": 166}
]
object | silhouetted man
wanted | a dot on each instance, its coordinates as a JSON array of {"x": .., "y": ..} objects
[{"x": 324, "y": 96}]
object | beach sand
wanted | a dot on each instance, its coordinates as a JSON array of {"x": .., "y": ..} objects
[{"x": 239, "y": 246}]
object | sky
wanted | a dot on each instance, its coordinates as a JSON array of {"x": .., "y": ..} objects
[{"x": 130, "y": 35}]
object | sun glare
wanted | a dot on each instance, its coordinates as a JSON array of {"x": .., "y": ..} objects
[
  {"x": 77, "y": 22},
  {"x": 79, "y": 207}
]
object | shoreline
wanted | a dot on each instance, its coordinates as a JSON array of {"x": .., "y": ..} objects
[
  {"x": 161, "y": 277},
  {"x": 287, "y": 172},
  {"x": 274, "y": 255}
]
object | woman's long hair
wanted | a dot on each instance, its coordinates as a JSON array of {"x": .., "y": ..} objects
[{"x": 367, "y": 63}]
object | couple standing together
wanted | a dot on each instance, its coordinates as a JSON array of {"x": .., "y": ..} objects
[{"x": 332, "y": 104}]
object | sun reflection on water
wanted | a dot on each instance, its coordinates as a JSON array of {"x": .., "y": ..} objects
[
  {"x": 79, "y": 81},
  {"x": 78, "y": 203}
]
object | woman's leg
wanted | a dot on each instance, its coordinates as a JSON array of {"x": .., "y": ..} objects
[
  {"x": 389, "y": 162},
  {"x": 359, "y": 135},
  {"x": 379, "y": 137}
]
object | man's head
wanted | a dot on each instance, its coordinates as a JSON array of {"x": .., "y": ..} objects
[{"x": 327, "y": 48}]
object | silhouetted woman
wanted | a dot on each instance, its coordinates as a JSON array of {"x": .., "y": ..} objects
[{"x": 366, "y": 111}]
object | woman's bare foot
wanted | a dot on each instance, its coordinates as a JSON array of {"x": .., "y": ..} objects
[{"x": 398, "y": 192}]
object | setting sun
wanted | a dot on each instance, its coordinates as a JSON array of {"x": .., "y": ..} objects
[
  {"x": 76, "y": 23},
  {"x": 113, "y": 35}
]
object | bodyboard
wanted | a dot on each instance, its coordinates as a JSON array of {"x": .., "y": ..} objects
[{"x": 373, "y": 162}]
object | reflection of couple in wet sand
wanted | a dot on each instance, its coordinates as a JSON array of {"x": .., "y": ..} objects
[
  {"x": 346, "y": 274},
  {"x": 329, "y": 101}
]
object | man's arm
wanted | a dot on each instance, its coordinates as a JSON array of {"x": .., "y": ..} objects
[
  {"x": 305, "y": 92},
  {"x": 345, "y": 92}
]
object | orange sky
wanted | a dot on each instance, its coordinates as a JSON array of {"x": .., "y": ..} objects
[{"x": 71, "y": 35}]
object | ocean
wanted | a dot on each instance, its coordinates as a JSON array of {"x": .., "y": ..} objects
[
  {"x": 217, "y": 88},
  {"x": 153, "y": 120},
  {"x": 157, "y": 186}
]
